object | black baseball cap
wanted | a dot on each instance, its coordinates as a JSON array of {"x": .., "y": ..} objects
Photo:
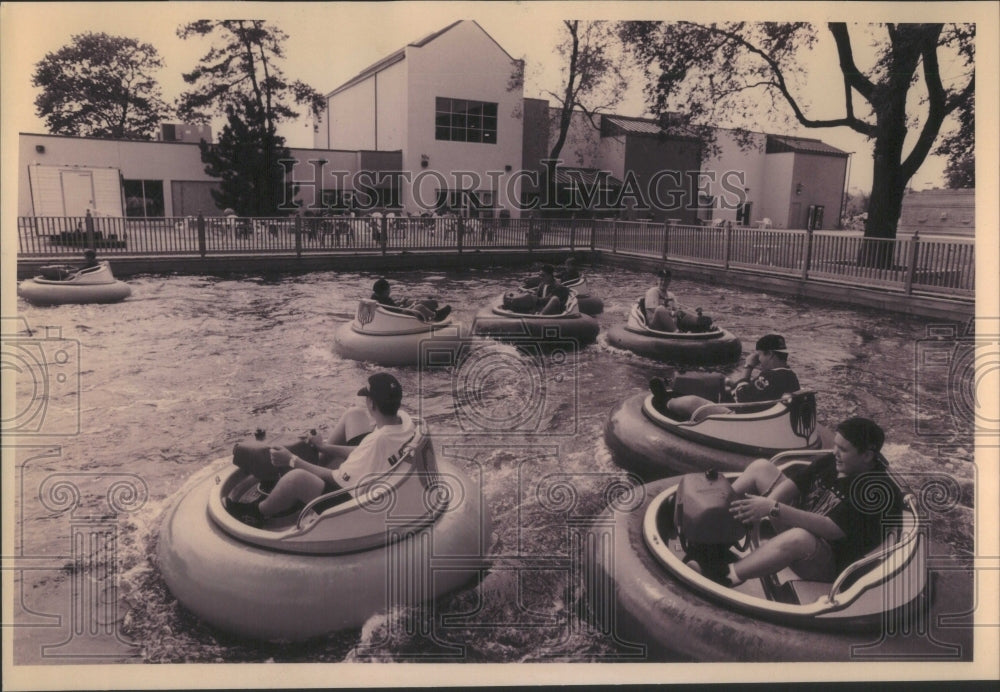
[
  {"x": 771, "y": 342},
  {"x": 383, "y": 388}
]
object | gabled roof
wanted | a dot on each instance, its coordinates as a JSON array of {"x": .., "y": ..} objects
[
  {"x": 400, "y": 54},
  {"x": 633, "y": 126},
  {"x": 780, "y": 144}
]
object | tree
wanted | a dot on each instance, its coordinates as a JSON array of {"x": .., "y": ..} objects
[
  {"x": 100, "y": 86},
  {"x": 735, "y": 70},
  {"x": 242, "y": 80},
  {"x": 960, "y": 148},
  {"x": 593, "y": 76},
  {"x": 593, "y": 82},
  {"x": 252, "y": 179},
  {"x": 243, "y": 69}
]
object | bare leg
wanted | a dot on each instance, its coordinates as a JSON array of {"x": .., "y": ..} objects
[
  {"x": 297, "y": 485},
  {"x": 787, "y": 548},
  {"x": 757, "y": 478},
  {"x": 663, "y": 321},
  {"x": 553, "y": 307}
]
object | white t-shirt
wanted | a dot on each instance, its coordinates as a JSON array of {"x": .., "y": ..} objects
[{"x": 376, "y": 454}]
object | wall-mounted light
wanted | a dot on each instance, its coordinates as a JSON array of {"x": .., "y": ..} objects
[
  {"x": 508, "y": 168},
  {"x": 40, "y": 148},
  {"x": 424, "y": 160},
  {"x": 798, "y": 188}
]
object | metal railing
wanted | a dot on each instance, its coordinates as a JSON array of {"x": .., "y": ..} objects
[{"x": 940, "y": 265}]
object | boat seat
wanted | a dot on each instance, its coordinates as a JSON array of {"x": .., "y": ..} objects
[{"x": 808, "y": 591}]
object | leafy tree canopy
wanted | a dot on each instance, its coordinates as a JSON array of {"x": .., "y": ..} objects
[
  {"x": 243, "y": 68},
  {"x": 704, "y": 74},
  {"x": 100, "y": 86}
]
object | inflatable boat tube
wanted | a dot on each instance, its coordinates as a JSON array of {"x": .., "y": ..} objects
[
  {"x": 389, "y": 336},
  {"x": 506, "y": 325},
  {"x": 406, "y": 537},
  {"x": 94, "y": 285},
  {"x": 695, "y": 348},
  {"x": 653, "y": 445},
  {"x": 588, "y": 303},
  {"x": 639, "y": 588}
]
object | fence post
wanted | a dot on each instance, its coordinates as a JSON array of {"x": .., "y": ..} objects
[
  {"x": 383, "y": 223},
  {"x": 727, "y": 253},
  {"x": 911, "y": 266},
  {"x": 298, "y": 236},
  {"x": 572, "y": 232},
  {"x": 460, "y": 233},
  {"x": 593, "y": 232},
  {"x": 201, "y": 234},
  {"x": 88, "y": 223},
  {"x": 666, "y": 236},
  {"x": 807, "y": 260},
  {"x": 614, "y": 238}
]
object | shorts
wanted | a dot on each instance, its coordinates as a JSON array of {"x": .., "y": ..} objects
[{"x": 819, "y": 565}]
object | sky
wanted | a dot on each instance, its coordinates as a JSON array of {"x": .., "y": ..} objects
[{"x": 330, "y": 42}]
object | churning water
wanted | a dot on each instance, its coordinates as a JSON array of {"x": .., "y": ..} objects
[{"x": 172, "y": 377}]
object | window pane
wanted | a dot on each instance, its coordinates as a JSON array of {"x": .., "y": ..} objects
[
  {"x": 489, "y": 137},
  {"x": 490, "y": 109},
  {"x": 458, "y": 134},
  {"x": 475, "y": 108},
  {"x": 474, "y": 135},
  {"x": 442, "y": 133},
  {"x": 475, "y": 120},
  {"x": 442, "y": 120},
  {"x": 459, "y": 106},
  {"x": 458, "y": 120}
]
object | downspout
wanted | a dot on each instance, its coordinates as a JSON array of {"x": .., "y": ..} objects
[{"x": 376, "y": 111}]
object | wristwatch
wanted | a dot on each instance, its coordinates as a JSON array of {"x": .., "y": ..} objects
[{"x": 775, "y": 511}]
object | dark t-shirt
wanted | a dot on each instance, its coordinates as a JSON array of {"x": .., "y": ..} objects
[
  {"x": 553, "y": 289},
  {"x": 384, "y": 300},
  {"x": 858, "y": 504},
  {"x": 768, "y": 385}
]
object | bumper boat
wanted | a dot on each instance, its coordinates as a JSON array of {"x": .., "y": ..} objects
[
  {"x": 588, "y": 303},
  {"x": 498, "y": 322},
  {"x": 92, "y": 285},
  {"x": 699, "y": 348},
  {"x": 392, "y": 336},
  {"x": 658, "y": 602},
  {"x": 652, "y": 444},
  {"x": 402, "y": 538}
]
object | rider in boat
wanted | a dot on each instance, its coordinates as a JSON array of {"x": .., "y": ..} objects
[
  {"x": 568, "y": 271},
  {"x": 366, "y": 441},
  {"x": 551, "y": 294},
  {"x": 774, "y": 379},
  {"x": 428, "y": 309},
  {"x": 825, "y": 517},
  {"x": 661, "y": 305}
]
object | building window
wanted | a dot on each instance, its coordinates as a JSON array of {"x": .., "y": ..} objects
[
  {"x": 143, "y": 198},
  {"x": 462, "y": 120}
]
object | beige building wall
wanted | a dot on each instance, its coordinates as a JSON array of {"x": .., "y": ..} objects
[{"x": 462, "y": 63}]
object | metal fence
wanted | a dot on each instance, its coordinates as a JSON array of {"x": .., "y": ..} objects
[{"x": 940, "y": 265}]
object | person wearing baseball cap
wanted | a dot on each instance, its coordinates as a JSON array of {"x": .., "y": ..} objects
[
  {"x": 773, "y": 380},
  {"x": 551, "y": 295},
  {"x": 366, "y": 442}
]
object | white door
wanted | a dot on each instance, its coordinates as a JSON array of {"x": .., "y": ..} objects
[{"x": 78, "y": 192}]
